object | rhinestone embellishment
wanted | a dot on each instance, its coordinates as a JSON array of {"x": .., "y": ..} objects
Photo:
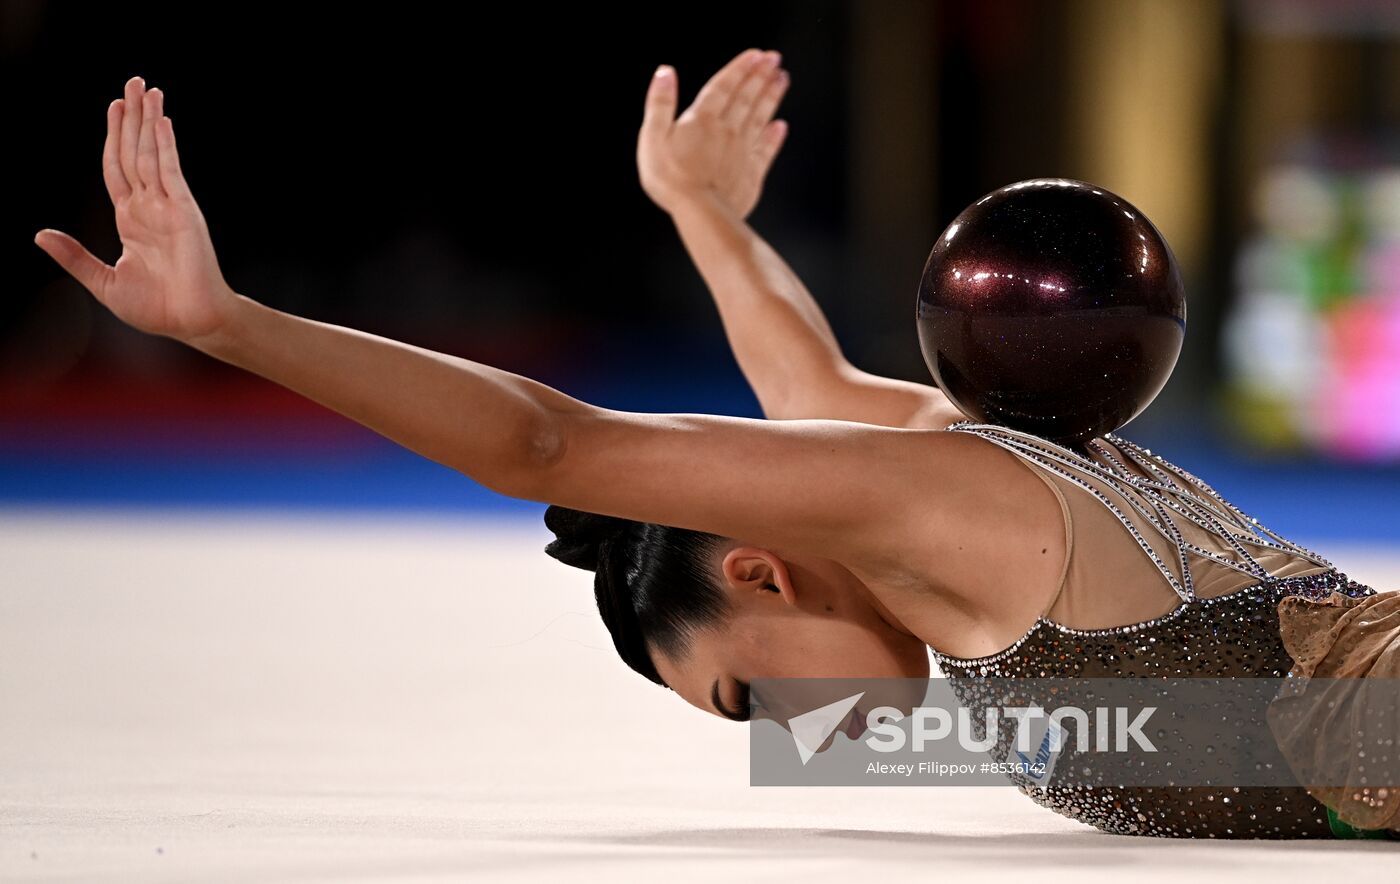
[{"x": 1230, "y": 635}]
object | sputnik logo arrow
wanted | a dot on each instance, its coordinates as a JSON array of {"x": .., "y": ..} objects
[{"x": 810, "y": 729}]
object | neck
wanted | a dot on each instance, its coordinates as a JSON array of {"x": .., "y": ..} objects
[{"x": 859, "y": 590}]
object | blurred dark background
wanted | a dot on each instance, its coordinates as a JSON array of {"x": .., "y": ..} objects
[{"x": 463, "y": 179}]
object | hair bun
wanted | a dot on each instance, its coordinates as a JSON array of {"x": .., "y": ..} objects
[{"x": 578, "y": 534}]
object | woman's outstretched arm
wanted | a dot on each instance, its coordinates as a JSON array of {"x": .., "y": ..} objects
[
  {"x": 886, "y": 499},
  {"x": 706, "y": 170},
  {"x": 855, "y": 492}
]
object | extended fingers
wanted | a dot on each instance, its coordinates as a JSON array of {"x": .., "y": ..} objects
[
  {"x": 140, "y": 150},
  {"x": 748, "y": 92},
  {"x": 147, "y": 160},
  {"x": 131, "y": 129},
  {"x": 117, "y": 186},
  {"x": 768, "y": 100},
  {"x": 715, "y": 95},
  {"x": 171, "y": 178},
  {"x": 770, "y": 141}
]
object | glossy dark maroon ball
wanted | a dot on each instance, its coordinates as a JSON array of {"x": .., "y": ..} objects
[{"x": 1052, "y": 306}]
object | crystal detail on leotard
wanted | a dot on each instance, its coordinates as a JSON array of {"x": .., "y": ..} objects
[
  {"x": 1192, "y": 499},
  {"x": 1231, "y": 635}
]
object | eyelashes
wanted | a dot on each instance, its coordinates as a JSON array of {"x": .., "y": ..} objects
[{"x": 744, "y": 711}]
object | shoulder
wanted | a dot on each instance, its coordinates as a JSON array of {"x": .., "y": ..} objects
[
  {"x": 985, "y": 533},
  {"x": 936, "y": 412},
  {"x": 994, "y": 493},
  {"x": 878, "y": 497}
]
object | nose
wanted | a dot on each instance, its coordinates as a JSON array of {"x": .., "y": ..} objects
[{"x": 856, "y": 727}]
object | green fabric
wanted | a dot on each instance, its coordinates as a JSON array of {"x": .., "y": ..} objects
[{"x": 1346, "y": 830}]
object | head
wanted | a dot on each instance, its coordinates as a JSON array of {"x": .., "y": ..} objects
[{"x": 703, "y": 614}]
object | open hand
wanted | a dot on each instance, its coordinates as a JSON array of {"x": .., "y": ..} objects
[
  {"x": 167, "y": 280},
  {"x": 725, "y": 142}
]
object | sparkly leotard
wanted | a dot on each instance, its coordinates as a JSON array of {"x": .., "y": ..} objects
[{"x": 1162, "y": 578}]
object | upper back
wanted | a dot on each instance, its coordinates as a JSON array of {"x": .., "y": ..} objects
[{"x": 1141, "y": 536}]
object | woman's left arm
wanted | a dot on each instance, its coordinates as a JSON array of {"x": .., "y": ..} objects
[
  {"x": 838, "y": 489},
  {"x": 842, "y": 490},
  {"x": 168, "y": 282},
  {"x": 489, "y": 424},
  {"x": 850, "y": 491}
]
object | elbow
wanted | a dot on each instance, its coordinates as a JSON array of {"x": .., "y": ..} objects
[
  {"x": 545, "y": 442},
  {"x": 537, "y": 452}
]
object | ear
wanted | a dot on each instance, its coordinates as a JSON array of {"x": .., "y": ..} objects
[{"x": 754, "y": 569}]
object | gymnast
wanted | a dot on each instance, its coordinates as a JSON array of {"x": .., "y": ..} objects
[{"x": 864, "y": 522}]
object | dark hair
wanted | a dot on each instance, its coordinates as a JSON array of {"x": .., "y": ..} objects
[{"x": 652, "y": 581}]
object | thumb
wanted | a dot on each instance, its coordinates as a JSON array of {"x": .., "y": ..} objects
[
  {"x": 71, "y": 256},
  {"x": 660, "y": 109}
]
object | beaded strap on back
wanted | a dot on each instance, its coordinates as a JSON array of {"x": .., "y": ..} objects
[{"x": 1171, "y": 489}]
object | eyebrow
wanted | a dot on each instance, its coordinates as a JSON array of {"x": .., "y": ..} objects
[{"x": 742, "y": 715}]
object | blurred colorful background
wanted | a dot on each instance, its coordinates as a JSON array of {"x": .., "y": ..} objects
[{"x": 467, "y": 184}]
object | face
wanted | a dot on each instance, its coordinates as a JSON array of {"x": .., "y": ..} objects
[{"x": 798, "y": 619}]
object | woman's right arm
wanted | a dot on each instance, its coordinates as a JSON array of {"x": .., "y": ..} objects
[
  {"x": 706, "y": 170},
  {"x": 781, "y": 338}
]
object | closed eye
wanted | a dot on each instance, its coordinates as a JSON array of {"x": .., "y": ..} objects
[
  {"x": 745, "y": 702},
  {"x": 740, "y": 714}
]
